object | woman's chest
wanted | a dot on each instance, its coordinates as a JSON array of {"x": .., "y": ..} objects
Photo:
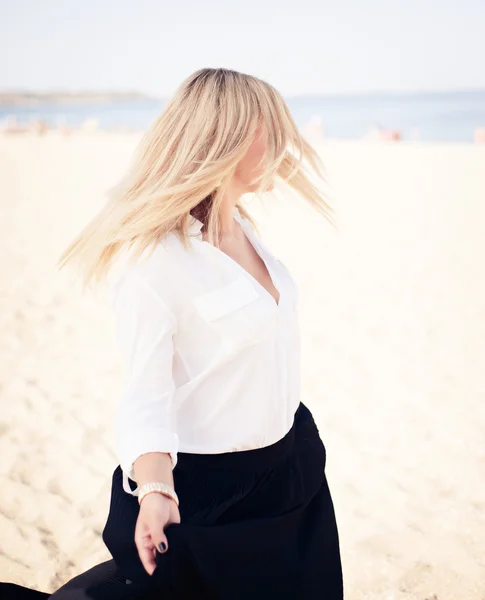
[{"x": 223, "y": 308}]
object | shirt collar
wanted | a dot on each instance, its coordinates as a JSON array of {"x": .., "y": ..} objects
[{"x": 195, "y": 225}]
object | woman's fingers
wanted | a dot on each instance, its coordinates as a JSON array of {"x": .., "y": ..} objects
[
  {"x": 155, "y": 513},
  {"x": 145, "y": 546},
  {"x": 156, "y": 526}
]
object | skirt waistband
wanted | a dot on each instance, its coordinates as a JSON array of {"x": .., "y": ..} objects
[{"x": 256, "y": 459}]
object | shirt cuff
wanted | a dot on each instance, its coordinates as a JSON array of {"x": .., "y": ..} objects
[{"x": 156, "y": 441}]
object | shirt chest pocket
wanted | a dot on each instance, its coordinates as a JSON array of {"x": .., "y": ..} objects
[{"x": 236, "y": 313}]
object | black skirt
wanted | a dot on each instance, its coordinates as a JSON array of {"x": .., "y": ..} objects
[{"x": 256, "y": 524}]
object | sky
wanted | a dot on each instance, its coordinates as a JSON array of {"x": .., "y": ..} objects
[{"x": 300, "y": 47}]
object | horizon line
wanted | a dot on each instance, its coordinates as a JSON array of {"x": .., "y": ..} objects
[{"x": 80, "y": 92}]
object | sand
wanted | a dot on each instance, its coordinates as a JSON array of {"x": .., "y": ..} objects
[{"x": 393, "y": 328}]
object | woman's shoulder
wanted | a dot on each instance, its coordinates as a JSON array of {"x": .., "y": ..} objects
[{"x": 161, "y": 266}]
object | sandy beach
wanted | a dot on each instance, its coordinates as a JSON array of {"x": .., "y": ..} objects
[{"x": 393, "y": 341}]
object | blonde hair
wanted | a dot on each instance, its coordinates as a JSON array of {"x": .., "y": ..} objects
[{"x": 184, "y": 161}]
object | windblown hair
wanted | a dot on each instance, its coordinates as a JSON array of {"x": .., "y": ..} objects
[{"x": 184, "y": 161}]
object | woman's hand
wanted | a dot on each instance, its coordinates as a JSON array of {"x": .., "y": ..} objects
[{"x": 156, "y": 512}]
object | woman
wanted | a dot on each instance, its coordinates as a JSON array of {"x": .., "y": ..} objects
[{"x": 221, "y": 489}]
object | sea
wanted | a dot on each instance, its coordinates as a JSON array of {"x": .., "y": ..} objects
[{"x": 436, "y": 116}]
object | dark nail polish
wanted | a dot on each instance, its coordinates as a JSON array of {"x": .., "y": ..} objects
[{"x": 162, "y": 546}]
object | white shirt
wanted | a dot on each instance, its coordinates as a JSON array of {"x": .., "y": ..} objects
[{"x": 212, "y": 361}]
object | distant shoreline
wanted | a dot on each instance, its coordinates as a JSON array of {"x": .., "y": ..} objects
[
  {"x": 439, "y": 116},
  {"x": 33, "y": 99},
  {"x": 64, "y": 98}
]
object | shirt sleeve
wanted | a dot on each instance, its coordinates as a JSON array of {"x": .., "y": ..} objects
[{"x": 144, "y": 328}]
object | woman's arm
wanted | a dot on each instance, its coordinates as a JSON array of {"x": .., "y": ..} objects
[
  {"x": 146, "y": 439},
  {"x": 145, "y": 434},
  {"x": 154, "y": 466}
]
